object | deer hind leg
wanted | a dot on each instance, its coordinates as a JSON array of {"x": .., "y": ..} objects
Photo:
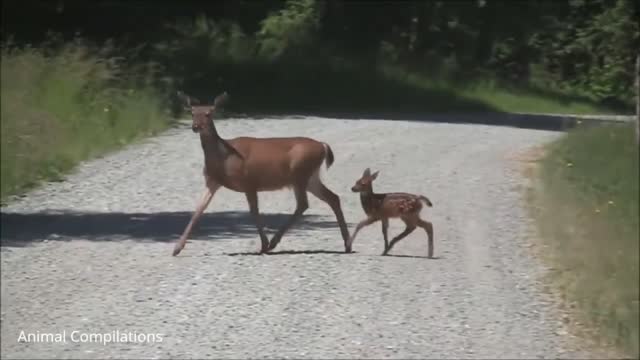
[
  {"x": 204, "y": 202},
  {"x": 428, "y": 227},
  {"x": 252, "y": 199},
  {"x": 408, "y": 230},
  {"x": 302, "y": 204},
  {"x": 319, "y": 190}
]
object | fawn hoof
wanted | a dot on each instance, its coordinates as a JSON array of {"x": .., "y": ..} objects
[{"x": 176, "y": 251}]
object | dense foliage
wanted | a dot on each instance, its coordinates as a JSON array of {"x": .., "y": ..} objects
[{"x": 585, "y": 47}]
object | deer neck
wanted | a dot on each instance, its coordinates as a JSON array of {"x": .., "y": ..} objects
[
  {"x": 367, "y": 199},
  {"x": 216, "y": 149},
  {"x": 213, "y": 146}
]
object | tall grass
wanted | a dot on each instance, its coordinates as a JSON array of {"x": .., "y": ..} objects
[
  {"x": 586, "y": 208},
  {"x": 66, "y": 103}
]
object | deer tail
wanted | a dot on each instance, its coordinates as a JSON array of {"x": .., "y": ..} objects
[
  {"x": 328, "y": 155},
  {"x": 426, "y": 200}
]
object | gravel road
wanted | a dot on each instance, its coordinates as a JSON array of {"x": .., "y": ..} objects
[{"x": 92, "y": 255}]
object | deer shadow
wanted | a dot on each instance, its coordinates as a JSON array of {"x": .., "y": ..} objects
[
  {"x": 289, "y": 252},
  {"x": 414, "y": 257},
  {"x": 21, "y": 229}
]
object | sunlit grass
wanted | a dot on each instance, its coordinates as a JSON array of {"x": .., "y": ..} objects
[
  {"x": 586, "y": 208},
  {"x": 64, "y": 106},
  {"x": 499, "y": 97}
]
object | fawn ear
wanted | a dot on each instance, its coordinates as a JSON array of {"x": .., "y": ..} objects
[
  {"x": 366, "y": 172},
  {"x": 374, "y": 175}
]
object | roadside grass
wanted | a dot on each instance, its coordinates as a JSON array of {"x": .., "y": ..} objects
[
  {"x": 344, "y": 89},
  {"x": 61, "y": 106},
  {"x": 503, "y": 97},
  {"x": 322, "y": 86},
  {"x": 585, "y": 205}
]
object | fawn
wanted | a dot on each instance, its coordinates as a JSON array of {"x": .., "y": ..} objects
[{"x": 384, "y": 206}]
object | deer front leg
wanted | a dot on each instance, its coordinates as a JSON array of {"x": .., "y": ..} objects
[
  {"x": 204, "y": 202},
  {"x": 385, "y": 228},
  {"x": 252, "y": 199},
  {"x": 368, "y": 221},
  {"x": 302, "y": 204}
]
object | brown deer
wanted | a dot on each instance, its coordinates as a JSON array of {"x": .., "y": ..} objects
[
  {"x": 251, "y": 165},
  {"x": 383, "y": 207}
]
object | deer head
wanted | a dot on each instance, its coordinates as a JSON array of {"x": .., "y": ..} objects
[
  {"x": 364, "y": 183},
  {"x": 202, "y": 115}
]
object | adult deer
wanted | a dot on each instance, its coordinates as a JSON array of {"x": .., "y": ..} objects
[{"x": 251, "y": 165}]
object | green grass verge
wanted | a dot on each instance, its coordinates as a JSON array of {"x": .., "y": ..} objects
[
  {"x": 64, "y": 106},
  {"x": 585, "y": 204},
  {"x": 503, "y": 98},
  {"x": 320, "y": 86},
  {"x": 342, "y": 89}
]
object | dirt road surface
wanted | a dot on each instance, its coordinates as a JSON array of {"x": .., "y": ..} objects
[{"x": 91, "y": 255}]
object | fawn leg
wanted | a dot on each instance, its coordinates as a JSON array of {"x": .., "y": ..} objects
[
  {"x": 319, "y": 190},
  {"x": 408, "y": 230},
  {"x": 368, "y": 221},
  {"x": 252, "y": 199},
  {"x": 204, "y": 202},
  {"x": 428, "y": 227},
  {"x": 302, "y": 204},
  {"x": 385, "y": 228}
]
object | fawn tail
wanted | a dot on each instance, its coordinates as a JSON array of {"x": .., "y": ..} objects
[{"x": 426, "y": 200}]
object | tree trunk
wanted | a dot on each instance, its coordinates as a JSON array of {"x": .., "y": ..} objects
[{"x": 638, "y": 98}]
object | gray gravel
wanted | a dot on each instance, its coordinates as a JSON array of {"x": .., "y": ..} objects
[{"x": 92, "y": 254}]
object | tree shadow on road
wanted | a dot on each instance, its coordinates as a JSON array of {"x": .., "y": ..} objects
[
  {"x": 20, "y": 229},
  {"x": 548, "y": 122}
]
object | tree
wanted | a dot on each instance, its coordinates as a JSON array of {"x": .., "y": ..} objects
[{"x": 638, "y": 98}]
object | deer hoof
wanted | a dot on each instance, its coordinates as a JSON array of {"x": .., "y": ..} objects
[{"x": 176, "y": 251}]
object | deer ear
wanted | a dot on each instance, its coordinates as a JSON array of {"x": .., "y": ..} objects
[
  {"x": 366, "y": 172},
  {"x": 220, "y": 99},
  {"x": 186, "y": 100},
  {"x": 374, "y": 175}
]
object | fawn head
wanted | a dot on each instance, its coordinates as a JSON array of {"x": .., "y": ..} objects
[
  {"x": 364, "y": 183},
  {"x": 202, "y": 115}
]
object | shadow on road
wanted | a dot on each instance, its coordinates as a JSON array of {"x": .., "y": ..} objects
[
  {"x": 290, "y": 252},
  {"x": 414, "y": 256},
  {"x": 19, "y": 229},
  {"x": 494, "y": 118}
]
